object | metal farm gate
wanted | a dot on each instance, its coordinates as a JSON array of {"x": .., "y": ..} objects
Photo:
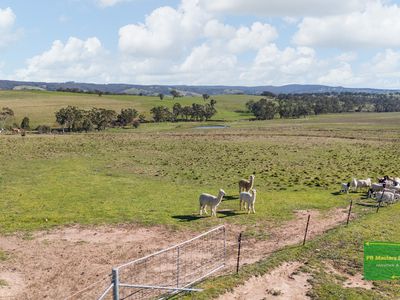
[{"x": 166, "y": 272}]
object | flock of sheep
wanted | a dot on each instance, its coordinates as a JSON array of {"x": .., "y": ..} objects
[
  {"x": 247, "y": 197},
  {"x": 387, "y": 189}
]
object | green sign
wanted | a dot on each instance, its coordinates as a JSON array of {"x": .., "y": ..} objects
[{"x": 381, "y": 261}]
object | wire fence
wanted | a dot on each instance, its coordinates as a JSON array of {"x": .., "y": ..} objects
[
  {"x": 92, "y": 291},
  {"x": 175, "y": 269},
  {"x": 164, "y": 273}
]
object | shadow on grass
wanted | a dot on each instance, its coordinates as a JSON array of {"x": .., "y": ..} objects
[
  {"x": 336, "y": 193},
  {"x": 228, "y": 198},
  {"x": 368, "y": 204},
  {"x": 188, "y": 218},
  {"x": 229, "y": 213}
]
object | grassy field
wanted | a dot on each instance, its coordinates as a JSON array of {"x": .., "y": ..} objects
[
  {"x": 40, "y": 106},
  {"x": 153, "y": 175}
]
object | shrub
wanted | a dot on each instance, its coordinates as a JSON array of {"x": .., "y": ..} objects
[
  {"x": 25, "y": 123},
  {"x": 41, "y": 129},
  {"x": 136, "y": 123}
]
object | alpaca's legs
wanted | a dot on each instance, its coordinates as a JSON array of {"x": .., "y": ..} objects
[
  {"x": 245, "y": 206},
  {"x": 202, "y": 209},
  {"x": 213, "y": 211}
]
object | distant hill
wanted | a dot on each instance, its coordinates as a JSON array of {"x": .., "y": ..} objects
[{"x": 190, "y": 90}]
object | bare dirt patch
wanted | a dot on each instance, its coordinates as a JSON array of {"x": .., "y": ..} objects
[
  {"x": 351, "y": 281},
  {"x": 13, "y": 283},
  {"x": 55, "y": 264},
  {"x": 290, "y": 233},
  {"x": 284, "y": 282}
]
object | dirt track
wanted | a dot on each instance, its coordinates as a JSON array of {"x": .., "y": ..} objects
[{"x": 55, "y": 264}]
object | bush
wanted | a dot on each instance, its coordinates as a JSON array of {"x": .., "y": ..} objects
[
  {"x": 136, "y": 123},
  {"x": 142, "y": 118},
  {"x": 25, "y": 123},
  {"x": 41, "y": 129}
]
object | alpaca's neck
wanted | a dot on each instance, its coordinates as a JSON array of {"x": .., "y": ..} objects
[{"x": 219, "y": 198}]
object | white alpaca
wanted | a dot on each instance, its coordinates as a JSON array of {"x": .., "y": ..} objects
[
  {"x": 249, "y": 199},
  {"x": 246, "y": 185},
  {"x": 211, "y": 201}
]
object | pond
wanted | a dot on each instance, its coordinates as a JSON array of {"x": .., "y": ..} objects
[{"x": 211, "y": 127}]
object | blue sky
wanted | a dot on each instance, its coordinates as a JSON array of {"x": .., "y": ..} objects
[{"x": 354, "y": 43}]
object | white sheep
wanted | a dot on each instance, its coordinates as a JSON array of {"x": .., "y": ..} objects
[
  {"x": 249, "y": 199},
  {"x": 345, "y": 188},
  {"x": 246, "y": 185},
  {"x": 355, "y": 184},
  {"x": 388, "y": 197},
  {"x": 211, "y": 201},
  {"x": 375, "y": 187}
]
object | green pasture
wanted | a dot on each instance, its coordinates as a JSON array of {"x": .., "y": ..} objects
[
  {"x": 40, "y": 106},
  {"x": 155, "y": 174}
]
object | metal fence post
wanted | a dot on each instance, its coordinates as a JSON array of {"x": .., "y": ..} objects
[
  {"x": 238, "y": 257},
  {"x": 348, "y": 215},
  {"x": 177, "y": 267},
  {"x": 224, "y": 246},
  {"x": 115, "y": 278},
  {"x": 305, "y": 233}
]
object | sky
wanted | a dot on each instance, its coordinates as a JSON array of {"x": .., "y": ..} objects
[{"x": 351, "y": 43}]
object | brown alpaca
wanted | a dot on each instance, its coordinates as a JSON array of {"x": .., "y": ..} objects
[{"x": 246, "y": 185}]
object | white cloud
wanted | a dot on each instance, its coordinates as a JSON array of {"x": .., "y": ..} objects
[
  {"x": 8, "y": 34},
  {"x": 7, "y": 18},
  {"x": 347, "y": 57},
  {"x": 275, "y": 66},
  {"x": 252, "y": 38},
  {"x": 207, "y": 65},
  {"x": 75, "y": 60},
  {"x": 386, "y": 63},
  {"x": 167, "y": 32},
  {"x": 284, "y": 7},
  {"x": 383, "y": 70},
  {"x": 342, "y": 75},
  {"x": 108, "y": 3},
  {"x": 189, "y": 45},
  {"x": 217, "y": 30},
  {"x": 375, "y": 26}
]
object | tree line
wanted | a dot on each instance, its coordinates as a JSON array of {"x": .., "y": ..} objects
[
  {"x": 301, "y": 105},
  {"x": 195, "y": 112},
  {"x": 73, "y": 119}
]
